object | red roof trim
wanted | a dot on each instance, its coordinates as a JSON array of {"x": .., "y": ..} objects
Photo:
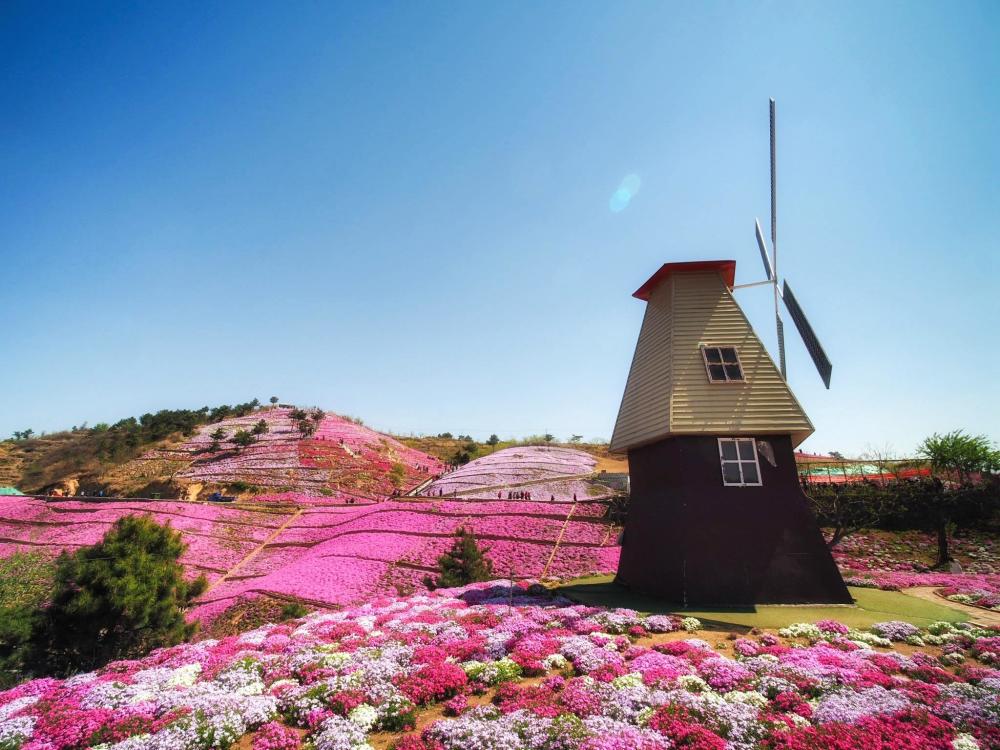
[{"x": 725, "y": 268}]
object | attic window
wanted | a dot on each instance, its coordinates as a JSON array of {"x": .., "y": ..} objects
[
  {"x": 722, "y": 364},
  {"x": 740, "y": 467}
]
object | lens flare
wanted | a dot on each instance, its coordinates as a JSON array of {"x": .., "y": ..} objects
[{"x": 626, "y": 191}]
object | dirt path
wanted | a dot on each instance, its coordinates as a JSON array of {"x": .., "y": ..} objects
[
  {"x": 257, "y": 550},
  {"x": 978, "y": 615},
  {"x": 555, "y": 547}
]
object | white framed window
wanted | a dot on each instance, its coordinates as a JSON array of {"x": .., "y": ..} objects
[
  {"x": 740, "y": 467},
  {"x": 722, "y": 363}
]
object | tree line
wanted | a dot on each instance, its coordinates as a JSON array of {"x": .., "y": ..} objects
[{"x": 962, "y": 492}]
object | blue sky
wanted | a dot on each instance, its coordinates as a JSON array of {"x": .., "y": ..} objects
[{"x": 403, "y": 211}]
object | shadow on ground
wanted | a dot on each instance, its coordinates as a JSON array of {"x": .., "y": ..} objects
[{"x": 871, "y": 606}]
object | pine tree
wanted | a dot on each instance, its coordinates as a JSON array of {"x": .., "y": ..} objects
[
  {"x": 116, "y": 599},
  {"x": 463, "y": 563}
]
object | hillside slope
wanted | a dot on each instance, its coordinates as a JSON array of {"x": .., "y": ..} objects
[
  {"x": 341, "y": 455},
  {"x": 332, "y": 544}
]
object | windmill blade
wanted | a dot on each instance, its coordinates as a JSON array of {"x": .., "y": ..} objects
[
  {"x": 815, "y": 349},
  {"x": 763, "y": 250},
  {"x": 781, "y": 346}
]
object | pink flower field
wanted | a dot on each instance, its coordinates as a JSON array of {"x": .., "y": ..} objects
[
  {"x": 901, "y": 560},
  {"x": 329, "y": 554},
  {"x": 546, "y": 472},
  {"x": 339, "y": 554},
  {"x": 341, "y": 456},
  {"x": 496, "y": 666}
]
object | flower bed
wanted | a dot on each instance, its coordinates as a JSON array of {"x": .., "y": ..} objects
[
  {"x": 602, "y": 679},
  {"x": 333, "y": 554},
  {"x": 341, "y": 455},
  {"x": 902, "y": 560},
  {"x": 510, "y": 467}
]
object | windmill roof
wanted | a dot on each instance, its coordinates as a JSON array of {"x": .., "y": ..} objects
[{"x": 725, "y": 268}]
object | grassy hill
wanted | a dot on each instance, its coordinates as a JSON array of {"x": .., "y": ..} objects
[{"x": 172, "y": 454}]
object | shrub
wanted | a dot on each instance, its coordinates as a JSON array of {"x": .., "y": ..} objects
[
  {"x": 116, "y": 599},
  {"x": 293, "y": 611},
  {"x": 464, "y": 563}
]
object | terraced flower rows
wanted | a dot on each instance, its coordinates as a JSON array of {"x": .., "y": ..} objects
[
  {"x": 329, "y": 554},
  {"x": 341, "y": 455},
  {"x": 333, "y": 555},
  {"x": 218, "y": 537},
  {"x": 548, "y": 473},
  {"x": 495, "y": 667}
]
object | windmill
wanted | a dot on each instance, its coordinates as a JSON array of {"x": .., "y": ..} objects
[
  {"x": 784, "y": 292},
  {"x": 710, "y": 426}
]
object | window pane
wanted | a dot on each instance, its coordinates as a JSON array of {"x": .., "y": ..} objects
[
  {"x": 717, "y": 372},
  {"x": 729, "y": 449},
  {"x": 729, "y": 355},
  {"x": 750, "y": 473},
  {"x": 746, "y": 450},
  {"x": 731, "y": 472},
  {"x": 712, "y": 354},
  {"x": 733, "y": 372}
]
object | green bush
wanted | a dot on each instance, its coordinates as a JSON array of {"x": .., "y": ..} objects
[
  {"x": 293, "y": 611},
  {"x": 117, "y": 599},
  {"x": 463, "y": 563}
]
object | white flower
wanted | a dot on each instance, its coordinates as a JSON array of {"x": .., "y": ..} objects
[
  {"x": 691, "y": 624},
  {"x": 185, "y": 676},
  {"x": 555, "y": 661},
  {"x": 750, "y": 698},
  {"x": 15, "y": 731},
  {"x": 693, "y": 683},
  {"x": 964, "y": 741},
  {"x": 17, "y": 704},
  {"x": 632, "y": 679},
  {"x": 364, "y": 716}
]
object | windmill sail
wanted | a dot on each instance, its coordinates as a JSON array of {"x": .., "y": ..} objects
[
  {"x": 763, "y": 251},
  {"x": 815, "y": 349}
]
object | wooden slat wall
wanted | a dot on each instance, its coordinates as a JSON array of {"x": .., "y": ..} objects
[
  {"x": 706, "y": 313},
  {"x": 645, "y": 408}
]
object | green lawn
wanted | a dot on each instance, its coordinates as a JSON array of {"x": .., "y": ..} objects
[{"x": 872, "y": 606}]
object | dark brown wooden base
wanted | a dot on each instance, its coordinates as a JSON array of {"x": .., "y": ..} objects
[{"x": 691, "y": 540}]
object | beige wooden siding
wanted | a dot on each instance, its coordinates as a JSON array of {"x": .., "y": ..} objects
[
  {"x": 645, "y": 408},
  {"x": 704, "y": 312}
]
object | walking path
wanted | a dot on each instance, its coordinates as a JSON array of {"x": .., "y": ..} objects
[
  {"x": 257, "y": 550},
  {"x": 555, "y": 547},
  {"x": 978, "y": 615}
]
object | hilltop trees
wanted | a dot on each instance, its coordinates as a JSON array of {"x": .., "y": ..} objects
[
  {"x": 244, "y": 439},
  {"x": 274, "y": 400},
  {"x": 218, "y": 435},
  {"x": 125, "y": 438},
  {"x": 117, "y": 599},
  {"x": 23, "y": 434}
]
